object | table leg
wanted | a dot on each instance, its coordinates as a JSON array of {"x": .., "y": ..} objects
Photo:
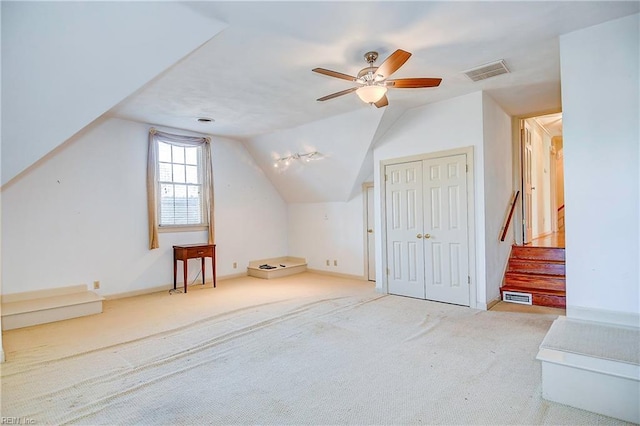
[
  {"x": 203, "y": 274},
  {"x": 175, "y": 271},
  {"x": 213, "y": 266},
  {"x": 184, "y": 266}
]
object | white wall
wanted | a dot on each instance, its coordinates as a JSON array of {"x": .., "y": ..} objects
[
  {"x": 329, "y": 231},
  {"x": 81, "y": 216},
  {"x": 600, "y": 94},
  {"x": 498, "y": 190},
  {"x": 454, "y": 123},
  {"x": 66, "y": 63}
]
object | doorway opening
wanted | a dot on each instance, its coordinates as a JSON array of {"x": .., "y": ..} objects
[{"x": 542, "y": 181}]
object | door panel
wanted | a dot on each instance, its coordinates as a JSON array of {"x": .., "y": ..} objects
[
  {"x": 404, "y": 223},
  {"x": 445, "y": 241}
]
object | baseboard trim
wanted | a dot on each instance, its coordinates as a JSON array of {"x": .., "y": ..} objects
[
  {"x": 167, "y": 287},
  {"x": 491, "y": 303},
  {"x": 232, "y": 276},
  {"x": 629, "y": 319},
  {"x": 140, "y": 292},
  {"x": 337, "y": 274}
]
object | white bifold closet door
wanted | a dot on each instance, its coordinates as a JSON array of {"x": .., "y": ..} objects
[{"x": 427, "y": 233}]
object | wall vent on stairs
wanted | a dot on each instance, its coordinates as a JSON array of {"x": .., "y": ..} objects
[
  {"x": 486, "y": 71},
  {"x": 515, "y": 297}
]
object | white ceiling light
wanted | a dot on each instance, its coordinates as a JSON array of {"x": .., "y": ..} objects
[{"x": 371, "y": 94}]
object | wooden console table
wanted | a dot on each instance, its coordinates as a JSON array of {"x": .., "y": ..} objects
[{"x": 193, "y": 251}]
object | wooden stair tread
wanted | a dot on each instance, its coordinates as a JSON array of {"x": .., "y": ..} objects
[
  {"x": 538, "y": 253},
  {"x": 534, "y": 275},
  {"x": 536, "y": 260},
  {"x": 527, "y": 283}
]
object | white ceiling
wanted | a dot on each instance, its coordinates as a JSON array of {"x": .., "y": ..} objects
[
  {"x": 254, "y": 77},
  {"x": 552, "y": 123}
]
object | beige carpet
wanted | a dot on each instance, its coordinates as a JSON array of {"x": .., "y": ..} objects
[{"x": 305, "y": 349}]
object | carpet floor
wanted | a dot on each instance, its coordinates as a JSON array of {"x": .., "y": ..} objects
[{"x": 304, "y": 349}]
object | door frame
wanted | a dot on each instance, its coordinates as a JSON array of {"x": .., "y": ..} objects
[
  {"x": 471, "y": 228},
  {"x": 517, "y": 153},
  {"x": 365, "y": 187}
]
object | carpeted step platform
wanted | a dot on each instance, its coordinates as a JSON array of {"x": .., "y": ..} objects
[
  {"x": 276, "y": 267},
  {"x": 593, "y": 366},
  {"x": 44, "y": 306}
]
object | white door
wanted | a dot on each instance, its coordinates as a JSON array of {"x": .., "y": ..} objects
[
  {"x": 446, "y": 232},
  {"x": 527, "y": 184},
  {"x": 371, "y": 246},
  {"x": 405, "y": 251},
  {"x": 427, "y": 233}
]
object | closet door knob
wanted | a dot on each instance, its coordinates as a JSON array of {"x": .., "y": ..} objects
[
  {"x": 427, "y": 235},
  {"x": 419, "y": 236}
]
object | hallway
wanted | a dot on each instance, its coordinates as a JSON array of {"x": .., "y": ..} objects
[{"x": 555, "y": 239}]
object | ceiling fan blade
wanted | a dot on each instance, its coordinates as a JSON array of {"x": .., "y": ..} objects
[
  {"x": 335, "y": 74},
  {"x": 413, "y": 83},
  {"x": 392, "y": 63},
  {"x": 382, "y": 102},
  {"x": 335, "y": 95}
]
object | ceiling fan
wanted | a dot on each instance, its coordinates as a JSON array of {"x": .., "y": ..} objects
[{"x": 372, "y": 82}]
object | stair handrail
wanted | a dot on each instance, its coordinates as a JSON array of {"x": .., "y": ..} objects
[{"x": 505, "y": 228}]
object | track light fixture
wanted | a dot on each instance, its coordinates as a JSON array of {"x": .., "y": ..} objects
[{"x": 284, "y": 162}]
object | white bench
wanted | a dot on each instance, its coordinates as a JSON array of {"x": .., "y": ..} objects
[
  {"x": 44, "y": 306},
  {"x": 282, "y": 267},
  {"x": 592, "y": 366}
]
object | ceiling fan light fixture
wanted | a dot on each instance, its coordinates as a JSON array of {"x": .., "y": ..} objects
[{"x": 371, "y": 94}]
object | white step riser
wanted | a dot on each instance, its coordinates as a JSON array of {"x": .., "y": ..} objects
[{"x": 27, "y": 319}]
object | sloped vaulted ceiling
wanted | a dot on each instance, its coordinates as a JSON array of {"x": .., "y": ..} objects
[
  {"x": 64, "y": 64},
  {"x": 343, "y": 142}
]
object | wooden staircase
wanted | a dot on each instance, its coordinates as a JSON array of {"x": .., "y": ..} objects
[{"x": 539, "y": 271}]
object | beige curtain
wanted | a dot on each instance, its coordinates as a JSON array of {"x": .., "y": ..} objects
[
  {"x": 152, "y": 180},
  {"x": 152, "y": 190}
]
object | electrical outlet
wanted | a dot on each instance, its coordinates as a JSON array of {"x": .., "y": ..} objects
[
  {"x": 96, "y": 285},
  {"x": 235, "y": 265},
  {"x": 328, "y": 264},
  {"x": 335, "y": 263}
]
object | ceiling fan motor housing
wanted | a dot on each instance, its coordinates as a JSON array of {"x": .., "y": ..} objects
[{"x": 367, "y": 74}]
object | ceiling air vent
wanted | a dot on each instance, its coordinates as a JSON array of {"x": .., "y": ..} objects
[{"x": 487, "y": 71}]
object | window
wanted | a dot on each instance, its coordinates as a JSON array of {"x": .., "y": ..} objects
[{"x": 180, "y": 185}]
